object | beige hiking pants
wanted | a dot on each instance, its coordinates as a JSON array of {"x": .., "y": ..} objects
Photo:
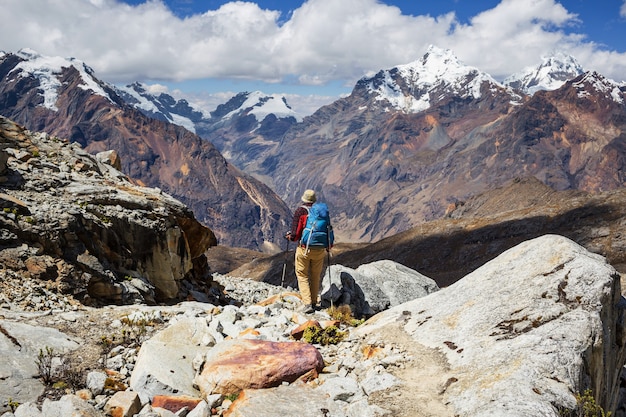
[{"x": 309, "y": 267}]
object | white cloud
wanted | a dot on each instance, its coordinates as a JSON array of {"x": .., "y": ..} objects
[
  {"x": 322, "y": 41},
  {"x": 513, "y": 35},
  {"x": 622, "y": 10},
  {"x": 156, "y": 89}
]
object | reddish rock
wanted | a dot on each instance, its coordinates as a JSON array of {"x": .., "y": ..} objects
[
  {"x": 175, "y": 403},
  {"x": 41, "y": 267},
  {"x": 277, "y": 297},
  {"x": 249, "y": 332},
  {"x": 235, "y": 365}
]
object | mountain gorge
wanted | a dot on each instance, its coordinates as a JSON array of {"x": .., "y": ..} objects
[{"x": 63, "y": 98}]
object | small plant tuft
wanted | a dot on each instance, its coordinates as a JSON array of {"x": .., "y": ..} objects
[
  {"x": 112, "y": 384},
  {"x": 331, "y": 335},
  {"x": 44, "y": 364},
  {"x": 586, "y": 406},
  {"x": 232, "y": 397},
  {"x": 61, "y": 385},
  {"x": 13, "y": 404},
  {"x": 343, "y": 314}
]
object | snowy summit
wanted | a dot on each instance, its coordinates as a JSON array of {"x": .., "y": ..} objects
[
  {"x": 261, "y": 105},
  {"x": 46, "y": 69},
  {"x": 551, "y": 74},
  {"x": 438, "y": 71}
]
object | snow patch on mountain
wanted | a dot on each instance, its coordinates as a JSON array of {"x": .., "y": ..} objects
[
  {"x": 138, "y": 96},
  {"x": 261, "y": 105},
  {"x": 437, "y": 69},
  {"x": 46, "y": 69},
  {"x": 600, "y": 84},
  {"x": 551, "y": 74},
  {"x": 140, "y": 101}
]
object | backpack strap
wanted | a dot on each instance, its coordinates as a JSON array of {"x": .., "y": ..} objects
[{"x": 310, "y": 232}]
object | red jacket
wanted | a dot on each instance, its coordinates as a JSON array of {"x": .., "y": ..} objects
[{"x": 299, "y": 222}]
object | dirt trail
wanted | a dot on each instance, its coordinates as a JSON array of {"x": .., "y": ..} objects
[{"x": 425, "y": 378}]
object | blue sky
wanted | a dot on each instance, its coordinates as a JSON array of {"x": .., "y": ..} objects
[
  {"x": 311, "y": 51},
  {"x": 601, "y": 22}
]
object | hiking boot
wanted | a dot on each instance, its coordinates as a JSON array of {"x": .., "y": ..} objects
[{"x": 308, "y": 309}]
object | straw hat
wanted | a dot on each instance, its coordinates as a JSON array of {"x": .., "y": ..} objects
[{"x": 308, "y": 196}]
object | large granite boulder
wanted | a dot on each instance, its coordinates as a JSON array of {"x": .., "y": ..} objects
[
  {"x": 522, "y": 335},
  {"x": 174, "y": 349},
  {"x": 69, "y": 218},
  {"x": 374, "y": 287}
]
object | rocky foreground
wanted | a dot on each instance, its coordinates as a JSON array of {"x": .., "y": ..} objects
[
  {"x": 525, "y": 334},
  {"x": 108, "y": 307}
]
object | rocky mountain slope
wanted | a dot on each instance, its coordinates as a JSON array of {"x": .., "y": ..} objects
[
  {"x": 246, "y": 129},
  {"x": 63, "y": 98},
  {"x": 410, "y": 141},
  {"x": 76, "y": 224}
]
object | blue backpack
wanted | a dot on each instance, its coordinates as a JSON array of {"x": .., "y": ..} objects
[{"x": 318, "y": 231}]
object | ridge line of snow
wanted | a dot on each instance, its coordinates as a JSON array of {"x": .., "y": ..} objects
[{"x": 46, "y": 69}]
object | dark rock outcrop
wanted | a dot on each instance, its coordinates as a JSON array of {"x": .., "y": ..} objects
[{"x": 87, "y": 229}]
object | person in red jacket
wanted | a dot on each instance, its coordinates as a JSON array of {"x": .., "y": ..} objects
[{"x": 309, "y": 262}]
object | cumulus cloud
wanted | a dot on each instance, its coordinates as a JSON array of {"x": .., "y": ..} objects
[
  {"x": 511, "y": 36},
  {"x": 322, "y": 41},
  {"x": 622, "y": 10}
]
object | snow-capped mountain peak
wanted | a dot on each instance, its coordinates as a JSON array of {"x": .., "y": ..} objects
[
  {"x": 551, "y": 74},
  {"x": 261, "y": 105},
  {"x": 599, "y": 84},
  {"x": 161, "y": 106},
  {"x": 413, "y": 87},
  {"x": 46, "y": 69}
]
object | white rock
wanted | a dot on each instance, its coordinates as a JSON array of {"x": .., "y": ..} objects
[
  {"x": 174, "y": 350},
  {"x": 522, "y": 331}
]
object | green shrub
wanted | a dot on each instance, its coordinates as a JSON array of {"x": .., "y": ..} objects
[
  {"x": 343, "y": 314},
  {"x": 331, "y": 335},
  {"x": 44, "y": 364},
  {"x": 13, "y": 404},
  {"x": 586, "y": 406}
]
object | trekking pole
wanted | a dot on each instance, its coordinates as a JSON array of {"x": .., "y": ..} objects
[
  {"x": 330, "y": 282},
  {"x": 282, "y": 280}
]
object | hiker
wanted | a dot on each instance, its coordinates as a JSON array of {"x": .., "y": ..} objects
[{"x": 311, "y": 228}]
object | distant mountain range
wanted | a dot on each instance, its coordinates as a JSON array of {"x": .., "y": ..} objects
[
  {"x": 406, "y": 145},
  {"x": 436, "y": 67},
  {"x": 415, "y": 140}
]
